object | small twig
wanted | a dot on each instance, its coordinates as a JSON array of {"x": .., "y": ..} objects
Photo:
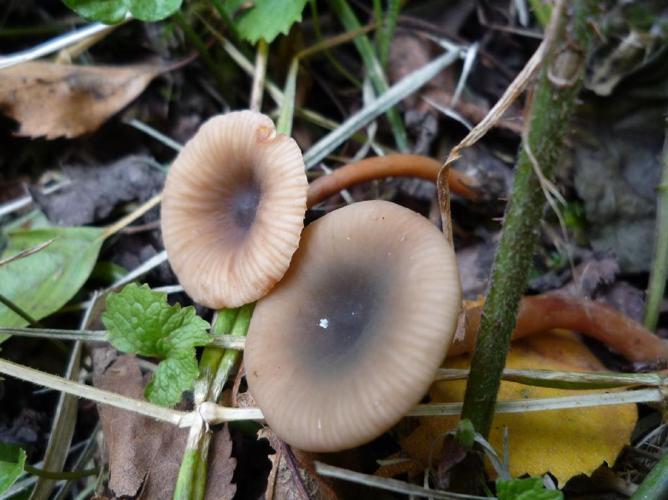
[
  {"x": 226, "y": 342},
  {"x": 259, "y": 75},
  {"x": 17, "y": 310},
  {"x": 26, "y": 253},
  {"x": 389, "y": 484},
  {"x": 92, "y": 393},
  {"x": 132, "y": 216},
  {"x": 157, "y": 135},
  {"x": 55, "y": 44}
]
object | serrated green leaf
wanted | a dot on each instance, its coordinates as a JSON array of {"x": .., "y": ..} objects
[
  {"x": 141, "y": 321},
  {"x": 42, "y": 283},
  {"x": 266, "y": 19},
  {"x": 114, "y": 11},
  {"x": 525, "y": 489},
  {"x": 173, "y": 376},
  {"x": 12, "y": 460}
]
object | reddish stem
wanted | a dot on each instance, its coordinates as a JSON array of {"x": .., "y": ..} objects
[
  {"x": 541, "y": 313},
  {"x": 379, "y": 167}
]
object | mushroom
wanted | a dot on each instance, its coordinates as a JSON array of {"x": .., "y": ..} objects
[
  {"x": 351, "y": 338},
  {"x": 233, "y": 209}
]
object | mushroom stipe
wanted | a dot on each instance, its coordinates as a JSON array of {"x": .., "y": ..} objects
[{"x": 351, "y": 338}]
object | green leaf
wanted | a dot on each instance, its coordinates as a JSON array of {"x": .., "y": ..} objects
[
  {"x": 114, "y": 11},
  {"x": 525, "y": 489},
  {"x": 141, "y": 321},
  {"x": 105, "y": 11},
  {"x": 173, "y": 376},
  {"x": 12, "y": 460},
  {"x": 266, "y": 19},
  {"x": 42, "y": 283},
  {"x": 154, "y": 10}
]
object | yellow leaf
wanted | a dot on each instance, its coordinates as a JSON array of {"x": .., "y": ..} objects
[
  {"x": 56, "y": 100},
  {"x": 563, "y": 442}
]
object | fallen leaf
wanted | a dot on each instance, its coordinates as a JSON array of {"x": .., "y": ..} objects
[
  {"x": 144, "y": 454},
  {"x": 563, "y": 442},
  {"x": 286, "y": 463},
  {"x": 66, "y": 100}
]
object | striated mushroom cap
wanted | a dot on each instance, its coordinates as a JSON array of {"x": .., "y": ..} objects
[
  {"x": 233, "y": 209},
  {"x": 350, "y": 340}
]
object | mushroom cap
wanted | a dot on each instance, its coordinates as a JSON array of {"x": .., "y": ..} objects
[
  {"x": 351, "y": 338},
  {"x": 233, "y": 209}
]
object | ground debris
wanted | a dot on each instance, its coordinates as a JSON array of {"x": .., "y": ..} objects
[{"x": 66, "y": 100}]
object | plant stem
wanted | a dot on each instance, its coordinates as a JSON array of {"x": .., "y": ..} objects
[
  {"x": 380, "y": 167},
  {"x": 655, "y": 484},
  {"x": 373, "y": 67},
  {"x": 657, "y": 282},
  {"x": 553, "y": 103},
  {"x": 55, "y": 475},
  {"x": 201, "y": 48},
  {"x": 386, "y": 32},
  {"x": 215, "y": 367},
  {"x": 257, "y": 90}
]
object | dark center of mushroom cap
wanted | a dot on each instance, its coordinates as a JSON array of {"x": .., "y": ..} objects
[
  {"x": 239, "y": 206},
  {"x": 344, "y": 321}
]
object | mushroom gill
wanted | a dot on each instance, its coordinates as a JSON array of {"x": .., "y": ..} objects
[
  {"x": 352, "y": 336},
  {"x": 233, "y": 209}
]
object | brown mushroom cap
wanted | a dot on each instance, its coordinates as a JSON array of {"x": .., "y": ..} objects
[
  {"x": 233, "y": 209},
  {"x": 351, "y": 338}
]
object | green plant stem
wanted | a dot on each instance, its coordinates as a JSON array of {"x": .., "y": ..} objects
[
  {"x": 386, "y": 32},
  {"x": 215, "y": 367},
  {"x": 201, "y": 48},
  {"x": 657, "y": 282},
  {"x": 57, "y": 476},
  {"x": 373, "y": 67},
  {"x": 553, "y": 103},
  {"x": 655, "y": 485}
]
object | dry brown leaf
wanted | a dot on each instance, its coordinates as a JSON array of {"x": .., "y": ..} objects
[
  {"x": 66, "y": 100},
  {"x": 563, "y": 442},
  {"x": 283, "y": 483},
  {"x": 144, "y": 454}
]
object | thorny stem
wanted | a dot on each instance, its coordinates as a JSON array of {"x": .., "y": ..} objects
[
  {"x": 553, "y": 103},
  {"x": 657, "y": 282}
]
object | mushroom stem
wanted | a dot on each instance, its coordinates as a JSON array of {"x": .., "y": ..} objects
[
  {"x": 541, "y": 313},
  {"x": 379, "y": 167}
]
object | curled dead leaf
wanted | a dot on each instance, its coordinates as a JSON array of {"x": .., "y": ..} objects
[
  {"x": 66, "y": 100},
  {"x": 563, "y": 442}
]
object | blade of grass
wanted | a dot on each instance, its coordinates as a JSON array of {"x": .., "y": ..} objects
[
  {"x": 385, "y": 33},
  {"x": 259, "y": 74},
  {"x": 373, "y": 66},
  {"x": 396, "y": 93},
  {"x": 64, "y": 420}
]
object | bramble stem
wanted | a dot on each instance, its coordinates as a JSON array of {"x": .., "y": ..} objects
[
  {"x": 657, "y": 282},
  {"x": 552, "y": 105}
]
